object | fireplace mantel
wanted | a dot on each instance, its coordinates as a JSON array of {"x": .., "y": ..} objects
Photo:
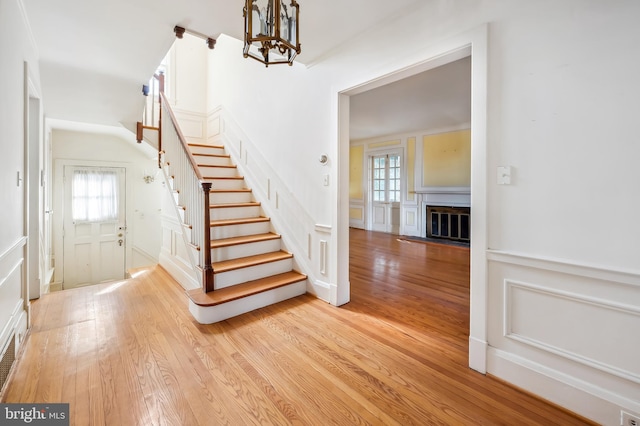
[{"x": 459, "y": 196}]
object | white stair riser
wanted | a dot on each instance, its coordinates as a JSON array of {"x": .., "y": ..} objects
[
  {"x": 212, "y": 314},
  {"x": 230, "y": 197},
  {"x": 239, "y": 276},
  {"x": 244, "y": 250},
  {"x": 218, "y": 171},
  {"x": 230, "y": 231},
  {"x": 176, "y": 197},
  {"x": 234, "y": 212},
  {"x": 226, "y": 183},
  {"x": 207, "y": 150},
  {"x": 213, "y": 161}
]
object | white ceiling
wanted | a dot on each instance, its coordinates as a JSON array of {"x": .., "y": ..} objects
[
  {"x": 95, "y": 55},
  {"x": 437, "y": 99}
]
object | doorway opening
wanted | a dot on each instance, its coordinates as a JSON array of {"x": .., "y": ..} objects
[{"x": 474, "y": 45}]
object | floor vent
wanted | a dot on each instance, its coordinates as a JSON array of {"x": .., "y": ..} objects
[
  {"x": 451, "y": 223},
  {"x": 8, "y": 357}
]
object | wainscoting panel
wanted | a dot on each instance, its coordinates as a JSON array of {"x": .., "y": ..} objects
[
  {"x": 193, "y": 125},
  {"x": 13, "y": 318},
  {"x": 531, "y": 311},
  {"x": 572, "y": 327},
  {"x": 213, "y": 126},
  {"x": 411, "y": 223},
  {"x": 356, "y": 215}
]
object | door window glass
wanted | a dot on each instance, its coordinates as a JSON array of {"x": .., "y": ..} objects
[{"x": 94, "y": 196}]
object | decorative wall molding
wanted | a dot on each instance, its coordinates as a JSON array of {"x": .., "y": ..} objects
[
  {"x": 627, "y": 277},
  {"x": 20, "y": 242},
  {"x": 192, "y": 124},
  {"x": 555, "y": 324},
  {"x": 573, "y": 302},
  {"x": 325, "y": 229}
]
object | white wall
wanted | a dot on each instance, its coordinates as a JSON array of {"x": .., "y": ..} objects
[
  {"x": 16, "y": 48},
  {"x": 143, "y": 200},
  {"x": 562, "y": 102}
]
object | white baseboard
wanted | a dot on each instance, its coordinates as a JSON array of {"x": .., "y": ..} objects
[
  {"x": 579, "y": 396},
  {"x": 478, "y": 355},
  {"x": 180, "y": 272}
]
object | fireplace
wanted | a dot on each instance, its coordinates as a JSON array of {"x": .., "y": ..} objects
[{"x": 448, "y": 222}]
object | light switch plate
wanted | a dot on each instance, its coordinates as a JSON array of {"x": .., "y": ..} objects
[{"x": 504, "y": 175}]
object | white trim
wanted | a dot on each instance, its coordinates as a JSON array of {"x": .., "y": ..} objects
[
  {"x": 20, "y": 242},
  {"x": 325, "y": 229},
  {"x": 592, "y": 401},
  {"x": 628, "y": 277},
  {"x": 178, "y": 270},
  {"x": 25, "y": 20},
  {"x": 144, "y": 253},
  {"x": 444, "y": 190},
  {"x": 478, "y": 355}
]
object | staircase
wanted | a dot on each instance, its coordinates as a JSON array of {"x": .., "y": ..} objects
[{"x": 250, "y": 267}]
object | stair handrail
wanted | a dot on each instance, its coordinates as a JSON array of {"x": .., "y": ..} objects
[
  {"x": 202, "y": 231},
  {"x": 183, "y": 141}
]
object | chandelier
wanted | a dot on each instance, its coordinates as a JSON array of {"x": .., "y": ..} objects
[{"x": 271, "y": 25}]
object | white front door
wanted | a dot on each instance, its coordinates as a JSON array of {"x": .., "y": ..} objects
[
  {"x": 385, "y": 193},
  {"x": 94, "y": 225}
]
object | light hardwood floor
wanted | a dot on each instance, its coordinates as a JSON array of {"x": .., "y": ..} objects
[{"x": 130, "y": 353}]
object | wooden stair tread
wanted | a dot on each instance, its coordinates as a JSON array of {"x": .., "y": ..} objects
[
  {"x": 230, "y": 190},
  {"x": 226, "y": 205},
  {"x": 226, "y": 242},
  {"x": 198, "y": 154},
  {"x": 245, "y": 262},
  {"x": 223, "y": 177},
  {"x": 205, "y": 145},
  {"x": 227, "y": 222},
  {"x": 228, "y": 166},
  {"x": 239, "y": 291}
]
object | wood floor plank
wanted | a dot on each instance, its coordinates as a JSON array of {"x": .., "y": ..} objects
[{"x": 130, "y": 353}]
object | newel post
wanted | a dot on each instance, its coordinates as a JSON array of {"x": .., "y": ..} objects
[{"x": 207, "y": 268}]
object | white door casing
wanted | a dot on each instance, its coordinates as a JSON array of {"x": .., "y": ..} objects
[{"x": 94, "y": 246}]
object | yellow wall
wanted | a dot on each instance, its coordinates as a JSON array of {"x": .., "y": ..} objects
[
  {"x": 355, "y": 214},
  {"x": 356, "y": 174},
  {"x": 447, "y": 159}
]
